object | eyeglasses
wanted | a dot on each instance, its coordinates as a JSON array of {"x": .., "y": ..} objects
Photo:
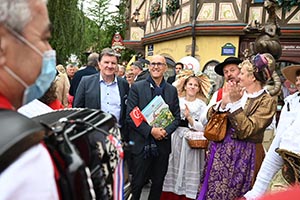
[{"x": 158, "y": 64}]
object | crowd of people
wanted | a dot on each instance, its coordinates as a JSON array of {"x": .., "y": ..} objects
[{"x": 235, "y": 167}]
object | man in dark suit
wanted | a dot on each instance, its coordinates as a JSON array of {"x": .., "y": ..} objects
[
  {"x": 152, "y": 145},
  {"x": 178, "y": 66},
  {"x": 91, "y": 68},
  {"x": 137, "y": 68},
  {"x": 104, "y": 90}
]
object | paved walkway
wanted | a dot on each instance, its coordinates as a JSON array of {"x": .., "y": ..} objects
[
  {"x": 144, "y": 195},
  {"x": 145, "y": 192}
]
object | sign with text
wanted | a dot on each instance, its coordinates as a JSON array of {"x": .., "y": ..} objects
[
  {"x": 228, "y": 50},
  {"x": 150, "y": 47}
]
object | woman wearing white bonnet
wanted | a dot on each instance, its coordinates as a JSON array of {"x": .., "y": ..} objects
[{"x": 186, "y": 164}]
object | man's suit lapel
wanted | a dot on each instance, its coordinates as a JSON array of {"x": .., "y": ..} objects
[
  {"x": 122, "y": 95},
  {"x": 121, "y": 89},
  {"x": 167, "y": 98},
  {"x": 147, "y": 90},
  {"x": 97, "y": 89}
]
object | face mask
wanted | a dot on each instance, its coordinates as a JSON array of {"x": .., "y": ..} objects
[{"x": 44, "y": 80}]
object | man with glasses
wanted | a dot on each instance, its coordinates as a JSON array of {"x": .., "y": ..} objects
[
  {"x": 104, "y": 90},
  {"x": 152, "y": 145}
]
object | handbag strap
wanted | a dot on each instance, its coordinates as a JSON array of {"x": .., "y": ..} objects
[{"x": 220, "y": 93}]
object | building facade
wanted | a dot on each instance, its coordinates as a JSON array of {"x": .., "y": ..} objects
[{"x": 207, "y": 30}]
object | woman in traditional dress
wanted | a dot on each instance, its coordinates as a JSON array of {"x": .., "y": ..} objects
[
  {"x": 185, "y": 163},
  {"x": 232, "y": 164},
  {"x": 286, "y": 142}
]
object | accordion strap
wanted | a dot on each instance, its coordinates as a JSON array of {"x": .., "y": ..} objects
[{"x": 18, "y": 133}]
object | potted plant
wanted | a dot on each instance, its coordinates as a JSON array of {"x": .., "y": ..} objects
[
  {"x": 172, "y": 6},
  {"x": 155, "y": 10}
]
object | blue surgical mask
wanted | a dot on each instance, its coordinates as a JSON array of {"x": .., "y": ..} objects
[{"x": 44, "y": 80}]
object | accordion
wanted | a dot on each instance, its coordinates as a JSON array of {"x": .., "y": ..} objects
[
  {"x": 291, "y": 166},
  {"x": 86, "y": 149}
]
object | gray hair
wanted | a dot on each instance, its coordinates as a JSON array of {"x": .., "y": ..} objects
[
  {"x": 70, "y": 66},
  {"x": 93, "y": 59},
  {"x": 121, "y": 67},
  {"x": 15, "y": 13},
  {"x": 108, "y": 52}
]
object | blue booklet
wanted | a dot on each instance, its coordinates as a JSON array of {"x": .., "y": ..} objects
[{"x": 157, "y": 113}]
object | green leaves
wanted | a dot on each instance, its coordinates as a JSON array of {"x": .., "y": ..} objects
[
  {"x": 77, "y": 29},
  {"x": 67, "y": 21},
  {"x": 155, "y": 10},
  {"x": 172, "y": 6}
]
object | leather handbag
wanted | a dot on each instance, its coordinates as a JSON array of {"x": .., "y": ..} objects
[{"x": 215, "y": 129}]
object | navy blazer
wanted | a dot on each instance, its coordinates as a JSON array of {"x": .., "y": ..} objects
[
  {"x": 140, "y": 95},
  {"x": 171, "y": 79},
  {"x": 89, "y": 91},
  {"x": 89, "y": 70}
]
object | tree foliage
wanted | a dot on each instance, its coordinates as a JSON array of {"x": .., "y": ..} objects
[
  {"x": 75, "y": 33},
  {"x": 99, "y": 14},
  {"x": 67, "y": 31},
  {"x": 118, "y": 24}
]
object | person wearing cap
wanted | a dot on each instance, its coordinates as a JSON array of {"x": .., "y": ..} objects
[
  {"x": 287, "y": 139},
  {"x": 178, "y": 66},
  {"x": 232, "y": 163},
  {"x": 137, "y": 68},
  {"x": 229, "y": 70}
]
